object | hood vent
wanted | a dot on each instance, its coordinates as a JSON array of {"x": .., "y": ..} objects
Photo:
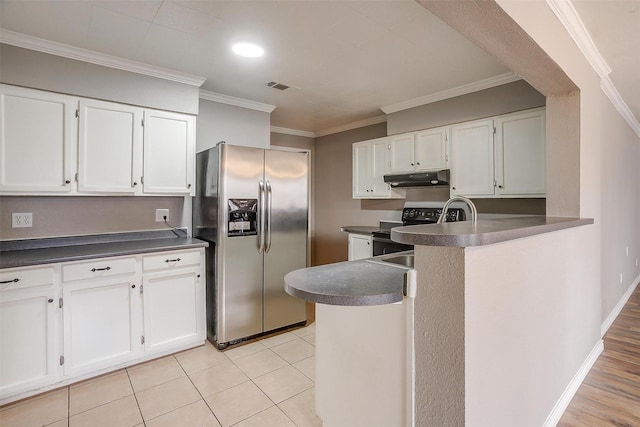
[{"x": 419, "y": 179}]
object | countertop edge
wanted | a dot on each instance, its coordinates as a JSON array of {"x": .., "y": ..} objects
[
  {"x": 507, "y": 229},
  {"x": 55, "y": 255},
  {"x": 365, "y": 230},
  {"x": 333, "y": 284}
]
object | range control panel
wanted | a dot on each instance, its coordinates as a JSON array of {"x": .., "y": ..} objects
[{"x": 430, "y": 215}]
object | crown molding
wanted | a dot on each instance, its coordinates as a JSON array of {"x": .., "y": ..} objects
[
  {"x": 614, "y": 96},
  {"x": 353, "y": 125},
  {"x": 296, "y": 132},
  {"x": 568, "y": 16},
  {"x": 237, "y": 102},
  {"x": 451, "y": 93},
  {"x": 59, "y": 49}
]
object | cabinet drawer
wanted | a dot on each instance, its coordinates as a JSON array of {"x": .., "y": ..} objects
[
  {"x": 98, "y": 268},
  {"x": 19, "y": 279},
  {"x": 169, "y": 260}
]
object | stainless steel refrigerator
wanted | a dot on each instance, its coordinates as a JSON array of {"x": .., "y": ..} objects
[{"x": 252, "y": 206}]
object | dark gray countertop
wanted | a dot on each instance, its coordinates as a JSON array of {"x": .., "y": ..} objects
[
  {"x": 484, "y": 232},
  {"x": 21, "y": 253},
  {"x": 351, "y": 283},
  {"x": 359, "y": 229}
]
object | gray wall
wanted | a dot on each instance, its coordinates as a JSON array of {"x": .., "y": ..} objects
[
  {"x": 235, "y": 125},
  {"x": 494, "y": 101},
  {"x": 334, "y": 205},
  {"x": 28, "y": 68},
  {"x": 55, "y": 216}
]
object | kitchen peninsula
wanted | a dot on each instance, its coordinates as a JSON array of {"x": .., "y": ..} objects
[{"x": 483, "y": 319}]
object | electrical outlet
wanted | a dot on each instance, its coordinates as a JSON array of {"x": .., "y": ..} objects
[
  {"x": 161, "y": 213},
  {"x": 20, "y": 220}
]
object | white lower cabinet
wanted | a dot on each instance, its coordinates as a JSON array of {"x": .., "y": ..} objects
[
  {"x": 101, "y": 323},
  {"x": 360, "y": 246},
  {"x": 63, "y": 322},
  {"x": 29, "y": 332},
  {"x": 174, "y": 307}
]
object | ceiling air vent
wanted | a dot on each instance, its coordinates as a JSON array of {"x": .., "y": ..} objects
[{"x": 277, "y": 85}]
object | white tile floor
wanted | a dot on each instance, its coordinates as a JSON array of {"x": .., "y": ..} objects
[{"x": 266, "y": 383}]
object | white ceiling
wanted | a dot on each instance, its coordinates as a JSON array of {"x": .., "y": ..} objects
[{"x": 343, "y": 59}]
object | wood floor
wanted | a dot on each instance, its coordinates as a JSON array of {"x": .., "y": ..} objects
[{"x": 610, "y": 394}]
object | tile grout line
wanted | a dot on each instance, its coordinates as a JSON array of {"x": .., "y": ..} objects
[
  {"x": 199, "y": 393},
  {"x": 135, "y": 396}
]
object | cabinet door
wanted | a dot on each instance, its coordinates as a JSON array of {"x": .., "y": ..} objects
[
  {"x": 169, "y": 153},
  {"x": 521, "y": 154},
  {"x": 109, "y": 147},
  {"x": 37, "y": 137},
  {"x": 402, "y": 156},
  {"x": 360, "y": 247},
  {"x": 174, "y": 309},
  {"x": 361, "y": 167},
  {"x": 29, "y": 352},
  {"x": 430, "y": 149},
  {"x": 472, "y": 159},
  {"x": 101, "y": 323},
  {"x": 378, "y": 161}
]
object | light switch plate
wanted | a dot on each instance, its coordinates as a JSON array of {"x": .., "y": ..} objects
[{"x": 21, "y": 220}]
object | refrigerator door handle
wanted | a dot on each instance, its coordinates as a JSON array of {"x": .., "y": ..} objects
[
  {"x": 261, "y": 216},
  {"x": 268, "y": 217}
]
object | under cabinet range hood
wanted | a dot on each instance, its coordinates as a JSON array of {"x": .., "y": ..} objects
[{"x": 419, "y": 179}]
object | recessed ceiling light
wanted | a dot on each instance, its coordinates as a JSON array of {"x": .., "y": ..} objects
[{"x": 249, "y": 50}]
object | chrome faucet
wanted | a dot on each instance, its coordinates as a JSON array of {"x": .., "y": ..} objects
[{"x": 445, "y": 208}]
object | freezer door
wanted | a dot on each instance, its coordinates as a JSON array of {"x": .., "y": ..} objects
[
  {"x": 287, "y": 185},
  {"x": 240, "y": 265}
]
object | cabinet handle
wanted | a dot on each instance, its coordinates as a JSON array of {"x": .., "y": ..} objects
[
  {"x": 453, "y": 188},
  {"x": 133, "y": 286},
  {"x": 100, "y": 269},
  {"x": 67, "y": 181},
  {"x": 188, "y": 185},
  {"x": 172, "y": 260},
  {"x": 418, "y": 163},
  {"x": 134, "y": 184},
  {"x": 411, "y": 164},
  {"x": 50, "y": 300},
  {"x": 16, "y": 280},
  {"x": 499, "y": 186},
  {"x": 198, "y": 275}
]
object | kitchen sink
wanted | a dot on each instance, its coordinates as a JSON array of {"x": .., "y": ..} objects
[{"x": 405, "y": 259}]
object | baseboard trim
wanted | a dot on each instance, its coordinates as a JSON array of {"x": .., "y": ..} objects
[
  {"x": 562, "y": 403},
  {"x": 618, "y": 308}
]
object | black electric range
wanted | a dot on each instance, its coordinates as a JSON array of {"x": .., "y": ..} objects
[{"x": 382, "y": 243}]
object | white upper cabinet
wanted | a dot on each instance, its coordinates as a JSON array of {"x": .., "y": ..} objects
[
  {"x": 430, "y": 149},
  {"x": 472, "y": 158},
  {"x": 419, "y": 151},
  {"x": 50, "y": 141},
  {"x": 169, "y": 155},
  {"x": 369, "y": 166},
  {"x": 37, "y": 138},
  {"x": 521, "y": 154},
  {"x": 109, "y": 147},
  {"x": 401, "y": 153},
  {"x": 500, "y": 157}
]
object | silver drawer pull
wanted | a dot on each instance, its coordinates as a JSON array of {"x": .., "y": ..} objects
[
  {"x": 100, "y": 269},
  {"x": 172, "y": 260},
  {"x": 16, "y": 280}
]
